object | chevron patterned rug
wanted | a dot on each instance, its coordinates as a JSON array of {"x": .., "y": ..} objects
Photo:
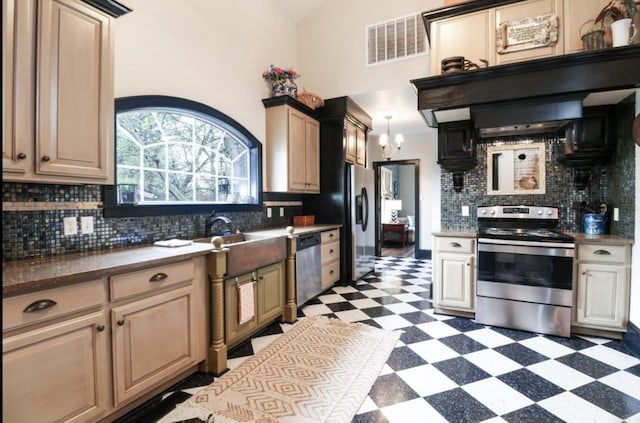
[{"x": 321, "y": 370}]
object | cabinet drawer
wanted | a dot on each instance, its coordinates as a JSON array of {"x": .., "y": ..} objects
[
  {"x": 329, "y": 236},
  {"x": 54, "y": 302},
  {"x": 455, "y": 245},
  {"x": 330, "y": 252},
  {"x": 602, "y": 253},
  {"x": 330, "y": 273},
  {"x": 134, "y": 283}
]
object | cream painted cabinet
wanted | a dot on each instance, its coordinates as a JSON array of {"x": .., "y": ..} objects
[
  {"x": 157, "y": 324},
  {"x": 602, "y": 287},
  {"x": 69, "y": 139},
  {"x": 471, "y": 35},
  {"x": 292, "y": 150},
  {"x": 268, "y": 292},
  {"x": 55, "y": 361},
  {"x": 361, "y": 147},
  {"x": 330, "y": 257},
  {"x": 523, "y": 10},
  {"x": 577, "y": 14},
  {"x": 454, "y": 274}
]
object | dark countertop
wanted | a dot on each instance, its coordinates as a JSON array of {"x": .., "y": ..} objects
[
  {"x": 582, "y": 238},
  {"x": 24, "y": 276}
]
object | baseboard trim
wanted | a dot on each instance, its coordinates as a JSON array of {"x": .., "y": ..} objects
[
  {"x": 424, "y": 254},
  {"x": 631, "y": 339}
]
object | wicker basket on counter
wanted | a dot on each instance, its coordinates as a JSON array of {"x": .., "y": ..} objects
[
  {"x": 311, "y": 100},
  {"x": 307, "y": 220}
]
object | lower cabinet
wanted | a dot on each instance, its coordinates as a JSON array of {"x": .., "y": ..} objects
[
  {"x": 330, "y": 257},
  {"x": 268, "y": 294},
  {"x": 454, "y": 275},
  {"x": 602, "y": 287}
]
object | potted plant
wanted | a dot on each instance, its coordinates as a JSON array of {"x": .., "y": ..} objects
[{"x": 618, "y": 15}]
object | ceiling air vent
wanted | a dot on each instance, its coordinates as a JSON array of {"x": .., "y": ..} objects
[{"x": 396, "y": 39}]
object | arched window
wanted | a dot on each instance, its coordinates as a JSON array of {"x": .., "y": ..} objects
[{"x": 177, "y": 152}]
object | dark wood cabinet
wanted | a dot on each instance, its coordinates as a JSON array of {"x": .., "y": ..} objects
[{"x": 457, "y": 149}]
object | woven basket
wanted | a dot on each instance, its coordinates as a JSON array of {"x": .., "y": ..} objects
[{"x": 313, "y": 101}]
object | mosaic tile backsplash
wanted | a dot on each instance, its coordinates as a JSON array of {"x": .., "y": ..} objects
[
  {"x": 613, "y": 184},
  {"x": 39, "y": 233}
]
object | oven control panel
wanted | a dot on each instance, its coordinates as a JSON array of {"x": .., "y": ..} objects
[{"x": 518, "y": 212}]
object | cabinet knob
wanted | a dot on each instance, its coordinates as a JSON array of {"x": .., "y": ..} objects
[
  {"x": 331, "y": 251},
  {"x": 120, "y": 322},
  {"x": 100, "y": 328},
  {"x": 468, "y": 264},
  {"x": 584, "y": 273},
  {"x": 330, "y": 235},
  {"x": 261, "y": 278},
  {"x": 46, "y": 158},
  {"x": 22, "y": 156},
  {"x": 331, "y": 272}
]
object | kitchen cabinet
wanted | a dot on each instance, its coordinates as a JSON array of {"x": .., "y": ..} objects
[
  {"x": 355, "y": 143},
  {"x": 269, "y": 296},
  {"x": 69, "y": 84},
  {"x": 530, "y": 9},
  {"x": 470, "y": 35},
  {"x": 330, "y": 257},
  {"x": 454, "y": 273},
  {"x": 576, "y": 16},
  {"x": 602, "y": 287},
  {"x": 157, "y": 322},
  {"x": 55, "y": 359},
  {"x": 292, "y": 149},
  {"x": 456, "y": 149}
]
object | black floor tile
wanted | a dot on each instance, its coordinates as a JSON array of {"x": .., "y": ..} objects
[
  {"x": 635, "y": 370},
  {"x": 463, "y": 325},
  {"x": 532, "y": 414},
  {"x": 521, "y": 354},
  {"x": 462, "y": 344},
  {"x": 404, "y": 358},
  {"x": 530, "y": 384},
  {"x": 390, "y": 389},
  {"x": 412, "y": 334},
  {"x": 371, "y": 417},
  {"x": 387, "y": 300},
  {"x": 377, "y": 311},
  {"x": 353, "y": 296},
  {"x": 615, "y": 402},
  {"x": 587, "y": 365},
  {"x": 343, "y": 306},
  {"x": 516, "y": 335},
  {"x": 458, "y": 406},
  {"x": 461, "y": 371},
  {"x": 575, "y": 343},
  {"x": 417, "y": 317}
]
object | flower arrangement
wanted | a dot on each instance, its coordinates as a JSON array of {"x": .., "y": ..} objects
[
  {"x": 278, "y": 74},
  {"x": 617, "y": 9}
]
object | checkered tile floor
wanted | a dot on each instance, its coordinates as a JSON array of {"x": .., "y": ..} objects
[{"x": 451, "y": 369}]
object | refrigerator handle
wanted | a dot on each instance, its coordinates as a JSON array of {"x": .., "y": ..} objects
[{"x": 365, "y": 206}]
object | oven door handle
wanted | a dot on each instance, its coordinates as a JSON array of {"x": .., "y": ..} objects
[{"x": 521, "y": 249}]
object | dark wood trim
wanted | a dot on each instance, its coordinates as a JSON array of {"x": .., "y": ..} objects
[
  {"x": 110, "y": 7},
  {"x": 341, "y": 107},
  {"x": 291, "y": 102}
]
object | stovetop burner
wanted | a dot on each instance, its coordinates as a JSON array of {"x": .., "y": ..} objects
[{"x": 520, "y": 223}]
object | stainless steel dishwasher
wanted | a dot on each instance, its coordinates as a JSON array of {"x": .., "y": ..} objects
[{"x": 308, "y": 268}]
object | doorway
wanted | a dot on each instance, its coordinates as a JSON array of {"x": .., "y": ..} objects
[{"x": 397, "y": 208}]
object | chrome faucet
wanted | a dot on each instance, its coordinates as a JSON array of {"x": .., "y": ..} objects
[{"x": 211, "y": 220}]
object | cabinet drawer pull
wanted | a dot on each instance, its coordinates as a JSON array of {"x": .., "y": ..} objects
[
  {"x": 46, "y": 158},
  {"x": 331, "y": 251},
  {"x": 454, "y": 244},
  {"x": 330, "y": 235},
  {"x": 158, "y": 277},
  {"x": 22, "y": 156},
  {"x": 39, "y": 305},
  {"x": 331, "y": 272},
  {"x": 602, "y": 252},
  {"x": 100, "y": 328},
  {"x": 120, "y": 322}
]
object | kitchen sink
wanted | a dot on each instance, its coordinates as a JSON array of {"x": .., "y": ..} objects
[{"x": 250, "y": 251}]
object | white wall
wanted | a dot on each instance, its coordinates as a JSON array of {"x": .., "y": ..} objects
[
  {"x": 407, "y": 189},
  {"x": 634, "y": 315}
]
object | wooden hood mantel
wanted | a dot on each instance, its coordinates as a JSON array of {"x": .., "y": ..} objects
[{"x": 561, "y": 77}]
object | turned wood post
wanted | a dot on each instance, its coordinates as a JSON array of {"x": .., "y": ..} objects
[
  {"x": 217, "y": 267},
  {"x": 290, "y": 307}
]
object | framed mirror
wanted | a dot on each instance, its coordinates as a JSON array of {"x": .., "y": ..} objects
[{"x": 516, "y": 169}]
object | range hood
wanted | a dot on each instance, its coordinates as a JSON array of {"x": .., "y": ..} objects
[{"x": 536, "y": 96}]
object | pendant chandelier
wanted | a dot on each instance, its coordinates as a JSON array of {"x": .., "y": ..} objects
[{"x": 390, "y": 147}]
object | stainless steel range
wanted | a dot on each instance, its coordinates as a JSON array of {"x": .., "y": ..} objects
[{"x": 525, "y": 270}]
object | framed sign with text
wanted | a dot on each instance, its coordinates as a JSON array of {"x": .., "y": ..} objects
[{"x": 525, "y": 34}]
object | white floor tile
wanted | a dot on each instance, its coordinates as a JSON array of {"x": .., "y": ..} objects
[
  {"x": 610, "y": 356},
  {"x": 624, "y": 382},
  {"x": 437, "y": 329},
  {"x": 563, "y": 376},
  {"x": 497, "y": 395},
  {"x": 433, "y": 350},
  {"x": 594, "y": 339},
  {"x": 489, "y": 338},
  {"x": 546, "y": 347},
  {"x": 365, "y": 303},
  {"x": 426, "y": 380},
  {"x": 367, "y": 405},
  {"x": 232, "y": 363},
  {"x": 493, "y": 362},
  {"x": 408, "y": 411},
  {"x": 315, "y": 310},
  {"x": 375, "y": 293},
  {"x": 574, "y": 409},
  {"x": 634, "y": 419},
  {"x": 262, "y": 341},
  {"x": 400, "y": 308},
  {"x": 344, "y": 289},
  {"x": 408, "y": 297},
  {"x": 438, "y": 316},
  {"x": 352, "y": 315},
  {"x": 386, "y": 370},
  {"x": 331, "y": 298},
  {"x": 392, "y": 322},
  {"x": 414, "y": 288}
]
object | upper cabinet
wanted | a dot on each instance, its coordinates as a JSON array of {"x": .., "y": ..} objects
[
  {"x": 576, "y": 17},
  {"x": 292, "y": 147},
  {"x": 355, "y": 143},
  {"x": 60, "y": 105}
]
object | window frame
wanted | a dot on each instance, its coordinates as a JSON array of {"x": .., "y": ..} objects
[{"x": 113, "y": 209}]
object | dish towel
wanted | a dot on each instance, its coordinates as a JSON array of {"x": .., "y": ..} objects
[{"x": 246, "y": 303}]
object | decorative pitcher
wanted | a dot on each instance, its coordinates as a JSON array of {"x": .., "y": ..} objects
[{"x": 622, "y": 31}]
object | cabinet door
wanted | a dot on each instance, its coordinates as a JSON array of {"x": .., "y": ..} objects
[
  {"x": 296, "y": 150},
  {"x": 361, "y": 147},
  {"x": 18, "y": 24},
  {"x": 524, "y": 10},
  {"x": 312, "y": 155},
  {"x": 456, "y": 144},
  {"x": 577, "y": 14},
  {"x": 470, "y": 35},
  {"x": 602, "y": 296},
  {"x": 75, "y": 107},
  {"x": 270, "y": 293},
  {"x": 455, "y": 280},
  {"x": 153, "y": 339},
  {"x": 57, "y": 373},
  {"x": 350, "y": 142},
  {"x": 234, "y": 331}
]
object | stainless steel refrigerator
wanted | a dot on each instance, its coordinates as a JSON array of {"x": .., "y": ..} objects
[{"x": 362, "y": 220}]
